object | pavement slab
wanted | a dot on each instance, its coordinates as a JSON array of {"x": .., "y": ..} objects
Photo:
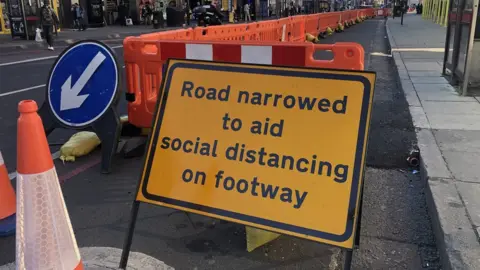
[
  {"x": 463, "y": 165},
  {"x": 447, "y": 127},
  {"x": 440, "y": 107},
  {"x": 413, "y": 73},
  {"x": 471, "y": 199},
  {"x": 458, "y": 140}
]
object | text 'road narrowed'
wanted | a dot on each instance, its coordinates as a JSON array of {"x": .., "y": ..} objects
[
  {"x": 266, "y": 128},
  {"x": 338, "y": 106}
]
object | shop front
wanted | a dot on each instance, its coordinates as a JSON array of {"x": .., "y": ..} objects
[
  {"x": 4, "y": 21},
  {"x": 22, "y": 18}
]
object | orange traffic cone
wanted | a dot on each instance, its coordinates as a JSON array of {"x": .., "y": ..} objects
[
  {"x": 7, "y": 202},
  {"x": 45, "y": 238}
]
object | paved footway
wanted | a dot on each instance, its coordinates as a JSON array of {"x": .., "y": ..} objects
[{"x": 448, "y": 131}]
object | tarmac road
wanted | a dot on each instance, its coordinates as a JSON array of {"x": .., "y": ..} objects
[{"x": 395, "y": 231}]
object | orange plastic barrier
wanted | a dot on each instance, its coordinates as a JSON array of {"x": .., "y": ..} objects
[
  {"x": 330, "y": 20},
  {"x": 382, "y": 12},
  {"x": 284, "y": 28},
  {"x": 179, "y": 34},
  {"x": 144, "y": 61},
  {"x": 351, "y": 15},
  {"x": 312, "y": 24},
  {"x": 145, "y": 55},
  {"x": 292, "y": 29},
  {"x": 222, "y": 32},
  {"x": 297, "y": 33},
  {"x": 266, "y": 31}
]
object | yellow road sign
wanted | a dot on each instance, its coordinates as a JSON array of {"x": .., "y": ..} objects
[{"x": 281, "y": 149}]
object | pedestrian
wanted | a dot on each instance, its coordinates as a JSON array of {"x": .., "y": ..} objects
[
  {"x": 81, "y": 18},
  {"x": 122, "y": 13},
  {"x": 149, "y": 13},
  {"x": 188, "y": 13},
  {"x": 48, "y": 20},
  {"x": 74, "y": 16},
  {"x": 292, "y": 9},
  {"x": 246, "y": 10}
]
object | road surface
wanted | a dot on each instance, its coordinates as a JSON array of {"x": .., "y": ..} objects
[{"x": 395, "y": 231}]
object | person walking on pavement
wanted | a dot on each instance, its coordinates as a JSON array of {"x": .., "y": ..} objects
[
  {"x": 246, "y": 10},
  {"x": 188, "y": 13},
  {"x": 148, "y": 13},
  {"x": 80, "y": 18},
  {"x": 74, "y": 16},
  {"x": 48, "y": 20}
]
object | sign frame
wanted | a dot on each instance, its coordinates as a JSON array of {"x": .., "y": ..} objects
[
  {"x": 113, "y": 100},
  {"x": 106, "y": 125},
  {"x": 356, "y": 196}
]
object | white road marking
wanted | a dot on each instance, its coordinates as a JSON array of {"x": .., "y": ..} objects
[
  {"x": 21, "y": 90},
  {"x": 13, "y": 175},
  {"x": 41, "y": 58},
  {"x": 25, "y": 89},
  {"x": 418, "y": 50},
  {"x": 380, "y": 54},
  {"x": 28, "y": 60}
]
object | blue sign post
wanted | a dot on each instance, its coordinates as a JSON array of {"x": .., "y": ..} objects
[
  {"x": 83, "y": 84},
  {"x": 82, "y": 92}
]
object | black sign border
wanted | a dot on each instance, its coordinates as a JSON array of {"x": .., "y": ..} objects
[{"x": 257, "y": 69}]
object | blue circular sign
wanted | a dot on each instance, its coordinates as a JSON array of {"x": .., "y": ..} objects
[{"x": 83, "y": 83}]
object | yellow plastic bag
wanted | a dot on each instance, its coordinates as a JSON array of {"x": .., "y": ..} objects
[
  {"x": 78, "y": 145},
  {"x": 257, "y": 237}
]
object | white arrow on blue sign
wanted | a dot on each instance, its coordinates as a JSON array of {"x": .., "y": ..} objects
[{"x": 83, "y": 84}]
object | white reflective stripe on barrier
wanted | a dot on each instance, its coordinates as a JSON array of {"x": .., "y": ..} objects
[
  {"x": 199, "y": 52},
  {"x": 257, "y": 54},
  {"x": 45, "y": 238}
]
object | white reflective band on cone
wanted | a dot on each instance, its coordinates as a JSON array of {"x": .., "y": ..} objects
[
  {"x": 1, "y": 159},
  {"x": 45, "y": 238}
]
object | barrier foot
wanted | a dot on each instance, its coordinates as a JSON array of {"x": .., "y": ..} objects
[
  {"x": 7, "y": 226},
  {"x": 129, "y": 130},
  {"x": 108, "y": 130},
  {"x": 135, "y": 147}
]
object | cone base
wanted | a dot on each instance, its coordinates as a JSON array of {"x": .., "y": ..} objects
[
  {"x": 79, "y": 266},
  {"x": 7, "y": 226}
]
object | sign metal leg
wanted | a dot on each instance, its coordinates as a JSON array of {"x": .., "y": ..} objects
[
  {"x": 347, "y": 261},
  {"x": 128, "y": 240}
]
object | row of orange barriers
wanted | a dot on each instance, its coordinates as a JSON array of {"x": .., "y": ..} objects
[
  {"x": 275, "y": 42},
  {"x": 290, "y": 29}
]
